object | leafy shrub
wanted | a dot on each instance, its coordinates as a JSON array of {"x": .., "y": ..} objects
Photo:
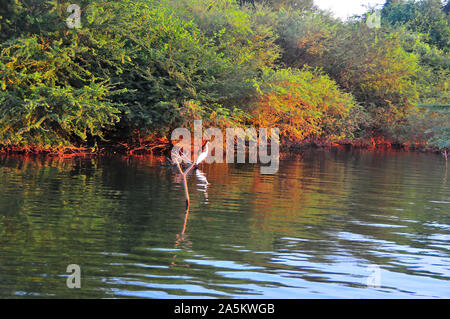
[
  {"x": 181, "y": 51},
  {"x": 143, "y": 67},
  {"x": 371, "y": 64},
  {"x": 155, "y": 56},
  {"x": 426, "y": 125},
  {"x": 303, "y": 104},
  {"x": 47, "y": 99}
]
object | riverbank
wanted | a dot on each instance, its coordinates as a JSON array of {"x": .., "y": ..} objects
[
  {"x": 368, "y": 144},
  {"x": 149, "y": 67},
  {"x": 163, "y": 147}
]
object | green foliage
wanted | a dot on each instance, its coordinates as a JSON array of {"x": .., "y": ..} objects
[
  {"x": 188, "y": 51},
  {"x": 438, "y": 125},
  {"x": 434, "y": 73},
  {"x": 159, "y": 55},
  {"x": 145, "y": 67},
  {"x": 47, "y": 98},
  {"x": 425, "y": 16},
  {"x": 369, "y": 63},
  {"x": 427, "y": 124},
  {"x": 181, "y": 51},
  {"x": 294, "y": 4}
]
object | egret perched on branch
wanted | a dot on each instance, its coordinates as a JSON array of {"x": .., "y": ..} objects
[{"x": 202, "y": 155}]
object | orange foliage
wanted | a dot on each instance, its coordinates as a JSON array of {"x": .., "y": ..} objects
[{"x": 303, "y": 104}]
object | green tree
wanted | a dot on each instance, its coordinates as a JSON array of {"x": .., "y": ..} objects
[
  {"x": 425, "y": 16},
  {"x": 294, "y": 4},
  {"x": 371, "y": 64}
]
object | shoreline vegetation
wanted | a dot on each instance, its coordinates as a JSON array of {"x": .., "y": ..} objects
[
  {"x": 136, "y": 70},
  {"x": 163, "y": 147}
]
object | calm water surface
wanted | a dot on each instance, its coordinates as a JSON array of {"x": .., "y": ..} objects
[{"x": 318, "y": 228}]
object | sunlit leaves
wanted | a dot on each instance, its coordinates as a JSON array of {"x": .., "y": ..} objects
[{"x": 304, "y": 104}]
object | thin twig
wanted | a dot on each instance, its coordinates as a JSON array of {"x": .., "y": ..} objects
[{"x": 186, "y": 191}]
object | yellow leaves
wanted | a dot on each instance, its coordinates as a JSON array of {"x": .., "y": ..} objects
[
  {"x": 123, "y": 57},
  {"x": 302, "y": 104}
]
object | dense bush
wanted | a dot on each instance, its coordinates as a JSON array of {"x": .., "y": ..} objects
[
  {"x": 426, "y": 125},
  {"x": 189, "y": 51},
  {"x": 433, "y": 77},
  {"x": 426, "y": 17},
  {"x": 160, "y": 56},
  {"x": 371, "y": 64},
  {"x": 47, "y": 98},
  {"x": 304, "y": 104}
]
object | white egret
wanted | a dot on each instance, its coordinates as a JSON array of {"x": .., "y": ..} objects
[{"x": 202, "y": 155}]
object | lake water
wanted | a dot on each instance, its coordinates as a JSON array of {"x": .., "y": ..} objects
[{"x": 329, "y": 224}]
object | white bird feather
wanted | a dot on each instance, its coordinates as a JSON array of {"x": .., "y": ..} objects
[{"x": 202, "y": 155}]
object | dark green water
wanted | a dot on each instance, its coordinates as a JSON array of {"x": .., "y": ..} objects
[{"x": 310, "y": 231}]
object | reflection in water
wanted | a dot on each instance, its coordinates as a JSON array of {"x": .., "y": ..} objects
[
  {"x": 181, "y": 241},
  {"x": 201, "y": 176},
  {"x": 204, "y": 183},
  {"x": 311, "y": 230},
  {"x": 446, "y": 172}
]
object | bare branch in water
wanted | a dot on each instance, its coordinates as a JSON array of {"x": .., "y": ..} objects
[{"x": 186, "y": 190}]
